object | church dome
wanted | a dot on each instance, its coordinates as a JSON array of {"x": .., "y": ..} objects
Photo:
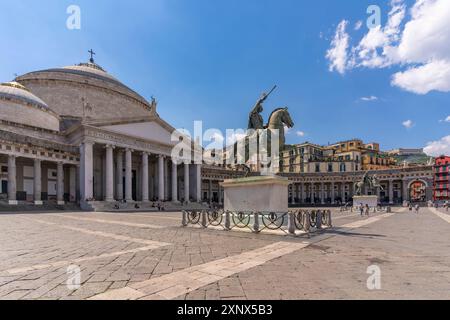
[
  {"x": 86, "y": 90},
  {"x": 19, "y": 105},
  {"x": 15, "y": 90}
]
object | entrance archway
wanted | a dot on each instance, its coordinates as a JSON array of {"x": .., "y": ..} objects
[{"x": 418, "y": 191}]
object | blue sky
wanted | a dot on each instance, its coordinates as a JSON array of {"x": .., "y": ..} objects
[{"x": 210, "y": 60}]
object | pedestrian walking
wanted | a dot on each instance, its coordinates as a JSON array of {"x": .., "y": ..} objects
[
  {"x": 417, "y": 207},
  {"x": 367, "y": 210},
  {"x": 361, "y": 209}
]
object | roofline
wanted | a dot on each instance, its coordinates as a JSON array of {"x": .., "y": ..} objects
[{"x": 89, "y": 74}]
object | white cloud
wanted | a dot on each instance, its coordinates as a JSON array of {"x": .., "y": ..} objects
[
  {"x": 421, "y": 80},
  {"x": 419, "y": 43},
  {"x": 337, "y": 54},
  {"x": 300, "y": 133},
  {"x": 371, "y": 98},
  {"x": 408, "y": 124},
  {"x": 358, "y": 25},
  {"x": 445, "y": 120},
  {"x": 438, "y": 148}
]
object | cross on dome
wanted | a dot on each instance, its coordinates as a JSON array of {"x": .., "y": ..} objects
[{"x": 92, "y": 55}]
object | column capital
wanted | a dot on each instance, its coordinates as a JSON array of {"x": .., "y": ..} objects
[
  {"x": 129, "y": 150},
  {"x": 161, "y": 156},
  {"x": 87, "y": 142},
  {"x": 145, "y": 153},
  {"x": 110, "y": 146}
]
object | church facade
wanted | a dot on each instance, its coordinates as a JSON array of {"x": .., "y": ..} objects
[{"x": 77, "y": 134}]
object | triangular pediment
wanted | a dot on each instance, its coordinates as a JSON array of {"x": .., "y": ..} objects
[{"x": 148, "y": 130}]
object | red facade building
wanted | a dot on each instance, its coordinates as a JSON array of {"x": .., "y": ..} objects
[{"x": 442, "y": 179}]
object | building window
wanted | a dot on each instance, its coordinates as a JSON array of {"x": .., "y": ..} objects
[
  {"x": 317, "y": 167},
  {"x": 330, "y": 167},
  {"x": 343, "y": 167}
]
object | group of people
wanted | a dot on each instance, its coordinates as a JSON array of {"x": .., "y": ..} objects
[
  {"x": 416, "y": 208},
  {"x": 364, "y": 209}
]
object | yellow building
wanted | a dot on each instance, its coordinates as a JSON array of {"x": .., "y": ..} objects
[{"x": 346, "y": 156}]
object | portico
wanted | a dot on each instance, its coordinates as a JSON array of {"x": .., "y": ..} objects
[{"x": 398, "y": 186}]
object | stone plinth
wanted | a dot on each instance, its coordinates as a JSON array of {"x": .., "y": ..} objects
[
  {"x": 265, "y": 193},
  {"x": 372, "y": 201}
]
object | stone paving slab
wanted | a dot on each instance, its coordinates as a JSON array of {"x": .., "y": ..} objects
[
  {"x": 149, "y": 256},
  {"x": 412, "y": 252}
]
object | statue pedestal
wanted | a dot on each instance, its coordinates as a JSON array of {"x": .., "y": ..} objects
[
  {"x": 371, "y": 201},
  {"x": 261, "y": 194}
]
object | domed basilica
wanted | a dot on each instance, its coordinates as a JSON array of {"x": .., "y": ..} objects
[{"x": 77, "y": 134}]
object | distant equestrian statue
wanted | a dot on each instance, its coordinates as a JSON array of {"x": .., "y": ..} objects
[{"x": 368, "y": 182}]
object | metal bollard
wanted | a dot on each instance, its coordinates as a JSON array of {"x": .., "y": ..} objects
[
  {"x": 307, "y": 223},
  {"x": 319, "y": 219},
  {"x": 256, "y": 222},
  {"x": 291, "y": 223},
  {"x": 330, "y": 221},
  {"x": 204, "y": 219},
  {"x": 227, "y": 220},
  {"x": 184, "y": 220}
]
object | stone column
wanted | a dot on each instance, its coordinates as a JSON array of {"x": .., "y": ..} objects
[
  {"x": 119, "y": 175},
  {"x": 60, "y": 184},
  {"x": 12, "y": 183},
  {"x": 198, "y": 175},
  {"x": 37, "y": 182},
  {"x": 332, "y": 194},
  {"x": 391, "y": 192},
  {"x": 293, "y": 187},
  {"x": 73, "y": 183},
  {"x": 109, "y": 165},
  {"x": 128, "y": 175},
  {"x": 166, "y": 179},
  {"x": 210, "y": 191},
  {"x": 161, "y": 178},
  {"x": 186, "y": 182},
  {"x": 322, "y": 193},
  {"x": 405, "y": 190},
  {"x": 77, "y": 183},
  {"x": 343, "y": 192},
  {"x": 220, "y": 194},
  {"x": 86, "y": 171},
  {"x": 151, "y": 180},
  {"x": 302, "y": 193},
  {"x": 144, "y": 180},
  {"x": 174, "y": 182},
  {"x": 311, "y": 191}
]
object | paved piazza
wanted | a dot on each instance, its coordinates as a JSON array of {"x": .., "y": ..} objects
[{"x": 149, "y": 256}]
